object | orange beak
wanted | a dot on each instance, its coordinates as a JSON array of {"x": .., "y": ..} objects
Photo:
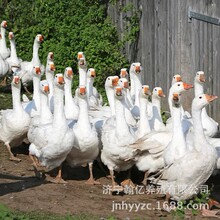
[
  {"x": 38, "y": 71},
  {"x": 202, "y": 77},
  {"x": 70, "y": 72},
  {"x": 178, "y": 78},
  {"x": 52, "y": 67},
  {"x": 115, "y": 81},
  {"x": 82, "y": 90},
  {"x": 51, "y": 55},
  {"x": 211, "y": 98},
  {"x": 46, "y": 88},
  {"x": 41, "y": 38},
  {"x": 60, "y": 80},
  {"x": 187, "y": 86},
  {"x": 160, "y": 93},
  {"x": 123, "y": 73},
  {"x": 5, "y": 24},
  {"x": 118, "y": 91},
  {"x": 146, "y": 89},
  {"x": 80, "y": 55},
  {"x": 175, "y": 97},
  {"x": 137, "y": 69},
  {"x": 125, "y": 85},
  {"x": 10, "y": 35},
  {"x": 93, "y": 74},
  {"x": 16, "y": 80}
]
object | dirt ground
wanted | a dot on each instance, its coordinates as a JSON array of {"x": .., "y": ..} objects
[{"x": 21, "y": 190}]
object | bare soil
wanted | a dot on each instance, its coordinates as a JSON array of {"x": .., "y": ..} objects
[{"x": 21, "y": 190}]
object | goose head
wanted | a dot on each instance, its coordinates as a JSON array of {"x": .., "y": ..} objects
[
  {"x": 180, "y": 87},
  {"x": 91, "y": 73},
  {"x": 68, "y": 74},
  {"x": 16, "y": 81},
  {"x": 11, "y": 36},
  {"x": 44, "y": 87},
  {"x": 81, "y": 60},
  {"x": 50, "y": 67},
  {"x": 176, "y": 99},
  {"x": 158, "y": 93},
  {"x": 82, "y": 91},
  {"x": 4, "y": 24},
  {"x": 145, "y": 91},
  {"x": 202, "y": 100},
  {"x": 176, "y": 78},
  {"x": 118, "y": 92},
  {"x": 123, "y": 73},
  {"x": 59, "y": 80},
  {"x": 200, "y": 77},
  {"x": 50, "y": 56},
  {"x": 111, "y": 81},
  {"x": 36, "y": 71},
  {"x": 136, "y": 68},
  {"x": 39, "y": 38},
  {"x": 123, "y": 82}
]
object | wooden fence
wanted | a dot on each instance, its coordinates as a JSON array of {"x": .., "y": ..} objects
[{"x": 170, "y": 43}]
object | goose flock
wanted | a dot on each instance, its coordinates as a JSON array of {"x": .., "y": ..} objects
[{"x": 80, "y": 129}]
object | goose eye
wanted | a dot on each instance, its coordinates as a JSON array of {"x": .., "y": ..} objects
[
  {"x": 155, "y": 89},
  {"x": 174, "y": 77},
  {"x": 200, "y": 97},
  {"x": 178, "y": 84},
  {"x": 108, "y": 79}
]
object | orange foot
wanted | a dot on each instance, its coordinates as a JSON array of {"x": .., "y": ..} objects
[
  {"x": 58, "y": 180},
  {"x": 91, "y": 181},
  {"x": 13, "y": 158},
  {"x": 127, "y": 182},
  {"x": 211, "y": 213}
]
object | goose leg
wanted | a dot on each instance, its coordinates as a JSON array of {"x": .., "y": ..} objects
[
  {"x": 91, "y": 180},
  {"x": 144, "y": 182},
  {"x": 26, "y": 89},
  {"x": 115, "y": 186},
  {"x": 58, "y": 178},
  {"x": 12, "y": 157},
  {"x": 38, "y": 173},
  {"x": 128, "y": 181},
  {"x": 3, "y": 83}
]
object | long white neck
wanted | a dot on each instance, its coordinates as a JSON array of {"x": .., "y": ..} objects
[
  {"x": 83, "y": 120},
  {"x": 82, "y": 76},
  {"x": 35, "y": 59},
  {"x": 144, "y": 126},
  {"x": 45, "y": 113},
  {"x": 16, "y": 98},
  {"x": 50, "y": 79},
  {"x": 122, "y": 129},
  {"x": 71, "y": 109},
  {"x": 156, "y": 102},
  {"x": 89, "y": 86},
  {"x": 111, "y": 99},
  {"x": 138, "y": 85},
  {"x": 178, "y": 137},
  {"x": 59, "y": 116},
  {"x": 3, "y": 40},
  {"x": 199, "y": 89},
  {"x": 13, "y": 50},
  {"x": 199, "y": 138},
  {"x": 132, "y": 85},
  {"x": 36, "y": 93}
]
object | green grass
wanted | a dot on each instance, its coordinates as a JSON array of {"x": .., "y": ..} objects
[{"x": 7, "y": 214}]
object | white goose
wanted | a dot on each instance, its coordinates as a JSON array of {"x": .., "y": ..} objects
[
  {"x": 210, "y": 126},
  {"x": 13, "y": 60},
  {"x": 14, "y": 123},
  {"x": 71, "y": 109},
  {"x": 4, "y": 70},
  {"x": 49, "y": 72},
  {"x": 117, "y": 154},
  {"x": 33, "y": 107},
  {"x": 45, "y": 116},
  {"x": 26, "y": 67},
  {"x": 196, "y": 166},
  {"x": 176, "y": 78},
  {"x": 51, "y": 143},
  {"x": 136, "y": 85},
  {"x": 124, "y": 73},
  {"x": 156, "y": 121},
  {"x": 85, "y": 148},
  {"x": 4, "y": 51}
]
